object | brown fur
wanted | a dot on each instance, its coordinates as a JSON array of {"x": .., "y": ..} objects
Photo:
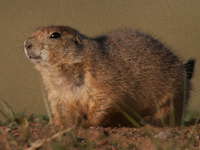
[{"x": 89, "y": 79}]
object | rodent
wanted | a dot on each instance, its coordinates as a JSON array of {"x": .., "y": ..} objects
[{"x": 94, "y": 81}]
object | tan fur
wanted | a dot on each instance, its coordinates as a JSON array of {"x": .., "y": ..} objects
[{"x": 89, "y": 79}]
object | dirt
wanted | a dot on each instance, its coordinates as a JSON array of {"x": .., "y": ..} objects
[{"x": 98, "y": 138}]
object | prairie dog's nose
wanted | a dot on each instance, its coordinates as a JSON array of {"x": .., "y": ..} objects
[{"x": 28, "y": 44}]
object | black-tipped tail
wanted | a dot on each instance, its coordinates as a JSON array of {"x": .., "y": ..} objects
[{"x": 189, "y": 66}]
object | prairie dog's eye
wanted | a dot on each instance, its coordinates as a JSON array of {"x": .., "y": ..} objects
[{"x": 55, "y": 35}]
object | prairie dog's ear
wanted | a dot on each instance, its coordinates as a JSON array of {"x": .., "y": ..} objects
[{"x": 77, "y": 39}]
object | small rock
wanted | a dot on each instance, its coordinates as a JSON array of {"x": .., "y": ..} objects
[
  {"x": 92, "y": 127},
  {"x": 197, "y": 137},
  {"x": 123, "y": 128},
  {"x": 112, "y": 148},
  {"x": 108, "y": 128},
  {"x": 7, "y": 130},
  {"x": 102, "y": 142},
  {"x": 163, "y": 135}
]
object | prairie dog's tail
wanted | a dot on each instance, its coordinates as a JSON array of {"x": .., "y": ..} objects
[{"x": 189, "y": 67}]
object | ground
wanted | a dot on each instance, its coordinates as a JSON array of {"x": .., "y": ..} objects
[{"x": 43, "y": 136}]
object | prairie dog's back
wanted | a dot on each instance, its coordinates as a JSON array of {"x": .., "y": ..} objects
[{"x": 137, "y": 68}]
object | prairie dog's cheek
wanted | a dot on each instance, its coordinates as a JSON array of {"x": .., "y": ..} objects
[
  {"x": 44, "y": 56},
  {"x": 53, "y": 56}
]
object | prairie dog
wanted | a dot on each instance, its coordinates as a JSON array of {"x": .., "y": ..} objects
[{"x": 91, "y": 81}]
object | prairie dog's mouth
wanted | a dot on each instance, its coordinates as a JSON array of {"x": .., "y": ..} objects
[{"x": 33, "y": 56}]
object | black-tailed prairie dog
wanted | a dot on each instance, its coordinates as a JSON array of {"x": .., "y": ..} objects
[{"x": 92, "y": 81}]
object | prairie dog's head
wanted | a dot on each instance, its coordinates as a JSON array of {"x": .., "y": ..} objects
[{"x": 53, "y": 45}]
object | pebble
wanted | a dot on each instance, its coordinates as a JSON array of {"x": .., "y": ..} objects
[
  {"x": 102, "y": 142},
  {"x": 162, "y": 135}
]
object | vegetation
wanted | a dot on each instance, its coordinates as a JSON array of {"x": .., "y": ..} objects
[{"x": 20, "y": 131}]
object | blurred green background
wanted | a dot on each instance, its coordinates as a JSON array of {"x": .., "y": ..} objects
[{"x": 173, "y": 22}]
